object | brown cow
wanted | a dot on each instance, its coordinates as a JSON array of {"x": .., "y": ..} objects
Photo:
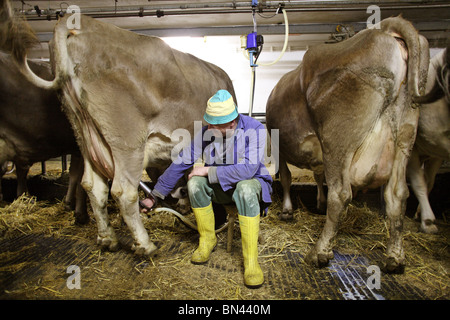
[
  {"x": 298, "y": 143},
  {"x": 124, "y": 94},
  {"x": 358, "y": 95},
  {"x": 33, "y": 129},
  {"x": 432, "y": 144}
]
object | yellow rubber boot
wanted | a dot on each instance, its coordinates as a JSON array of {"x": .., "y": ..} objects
[
  {"x": 208, "y": 241},
  {"x": 253, "y": 275}
]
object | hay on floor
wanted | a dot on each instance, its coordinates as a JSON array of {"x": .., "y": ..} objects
[{"x": 362, "y": 231}]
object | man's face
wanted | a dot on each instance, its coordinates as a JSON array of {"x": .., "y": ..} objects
[{"x": 227, "y": 129}]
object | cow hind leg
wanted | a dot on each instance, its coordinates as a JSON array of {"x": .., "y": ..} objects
[
  {"x": 3, "y": 168},
  {"x": 75, "y": 198},
  {"x": 285, "y": 180},
  {"x": 3, "y": 163},
  {"x": 395, "y": 196},
  {"x": 339, "y": 196},
  {"x": 431, "y": 168},
  {"x": 69, "y": 198},
  {"x": 126, "y": 195},
  {"x": 419, "y": 186},
  {"x": 22, "y": 173},
  {"x": 81, "y": 214},
  {"x": 97, "y": 189},
  {"x": 321, "y": 198}
]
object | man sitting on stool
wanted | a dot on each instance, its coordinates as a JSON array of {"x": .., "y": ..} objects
[{"x": 234, "y": 171}]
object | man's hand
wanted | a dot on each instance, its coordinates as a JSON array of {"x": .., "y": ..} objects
[
  {"x": 148, "y": 202},
  {"x": 199, "y": 171}
]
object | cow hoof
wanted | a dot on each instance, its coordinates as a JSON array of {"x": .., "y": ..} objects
[
  {"x": 393, "y": 265},
  {"x": 324, "y": 258},
  {"x": 108, "y": 244},
  {"x": 68, "y": 205},
  {"x": 149, "y": 250},
  {"x": 429, "y": 227},
  {"x": 286, "y": 216},
  {"x": 318, "y": 260}
]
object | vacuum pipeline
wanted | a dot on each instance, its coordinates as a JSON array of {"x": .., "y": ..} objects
[{"x": 228, "y": 8}]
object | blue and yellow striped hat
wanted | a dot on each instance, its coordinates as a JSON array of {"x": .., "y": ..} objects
[{"x": 220, "y": 108}]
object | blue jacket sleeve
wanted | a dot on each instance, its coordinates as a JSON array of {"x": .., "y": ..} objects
[
  {"x": 185, "y": 160},
  {"x": 250, "y": 148}
]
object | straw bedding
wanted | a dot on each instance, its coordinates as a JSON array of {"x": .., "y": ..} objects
[{"x": 170, "y": 275}]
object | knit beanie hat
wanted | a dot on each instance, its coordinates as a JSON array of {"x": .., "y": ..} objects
[{"x": 220, "y": 108}]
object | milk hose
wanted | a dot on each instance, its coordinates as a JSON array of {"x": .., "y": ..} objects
[{"x": 182, "y": 218}]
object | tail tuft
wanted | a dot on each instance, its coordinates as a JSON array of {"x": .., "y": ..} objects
[{"x": 16, "y": 35}]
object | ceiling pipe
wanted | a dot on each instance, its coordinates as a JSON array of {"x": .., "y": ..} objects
[{"x": 228, "y": 8}]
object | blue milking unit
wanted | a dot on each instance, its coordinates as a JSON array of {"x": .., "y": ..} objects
[
  {"x": 253, "y": 46},
  {"x": 254, "y": 41}
]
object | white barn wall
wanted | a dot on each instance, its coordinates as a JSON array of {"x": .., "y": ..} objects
[{"x": 225, "y": 52}]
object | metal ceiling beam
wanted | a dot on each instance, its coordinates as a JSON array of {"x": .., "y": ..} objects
[
  {"x": 231, "y": 7},
  {"x": 313, "y": 28},
  {"x": 231, "y": 30}
]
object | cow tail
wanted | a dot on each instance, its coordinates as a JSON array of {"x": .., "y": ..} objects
[
  {"x": 16, "y": 38},
  {"x": 444, "y": 74},
  {"x": 418, "y": 53},
  {"x": 16, "y": 35}
]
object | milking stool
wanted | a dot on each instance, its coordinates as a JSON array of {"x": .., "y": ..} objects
[{"x": 232, "y": 213}]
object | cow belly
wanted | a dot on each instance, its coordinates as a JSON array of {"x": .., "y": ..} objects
[
  {"x": 372, "y": 162},
  {"x": 306, "y": 154}
]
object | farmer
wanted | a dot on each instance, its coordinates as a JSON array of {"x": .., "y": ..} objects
[{"x": 232, "y": 146}]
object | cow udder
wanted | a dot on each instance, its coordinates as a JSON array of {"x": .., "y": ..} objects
[{"x": 372, "y": 162}]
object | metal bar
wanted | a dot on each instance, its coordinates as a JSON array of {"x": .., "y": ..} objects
[
  {"x": 145, "y": 188},
  {"x": 235, "y": 7},
  {"x": 268, "y": 5},
  {"x": 313, "y": 28}
]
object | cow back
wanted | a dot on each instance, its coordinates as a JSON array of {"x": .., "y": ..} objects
[{"x": 122, "y": 88}]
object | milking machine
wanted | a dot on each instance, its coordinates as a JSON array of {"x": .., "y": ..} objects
[
  {"x": 253, "y": 44},
  {"x": 148, "y": 191}
]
